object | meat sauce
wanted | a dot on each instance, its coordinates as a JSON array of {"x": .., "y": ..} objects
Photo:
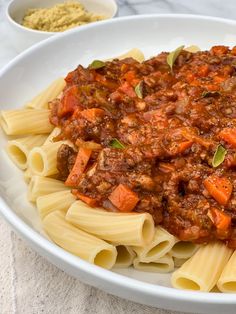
[{"x": 151, "y": 139}]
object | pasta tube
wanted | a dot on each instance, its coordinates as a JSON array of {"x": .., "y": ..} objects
[
  {"x": 160, "y": 245},
  {"x": 179, "y": 261},
  {"x": 39, "y": 186},
  {"x": 54, "y": 133},
  {"x": 55, "y": 201},
  {"x": 125, "y": 256},
  {"x": 18, "y": 149},
  {"x": 119, "y": 228},
  {"x": 25, "y": 121},
  {"x": 164, "y": 264},
  {"x": 134, "y": 53},
  {"x": 43, "y": 160},
  {"x": 77, "y": 242},
  {"x": 183, "y": 249},
  {"x": 202, "y": 271},
  {"x": 47, "y": 95},
  {"x": 192, "y": 49},
  {"x": 227, "y": 281},
  {"x": 27, "y": 175}
]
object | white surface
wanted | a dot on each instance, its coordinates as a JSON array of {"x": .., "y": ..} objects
[
  {"x": 58, "y": 55},
  {"x": 23, "y": 37}
]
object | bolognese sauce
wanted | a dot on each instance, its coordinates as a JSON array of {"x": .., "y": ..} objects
[{"x": 151, "y": 138}]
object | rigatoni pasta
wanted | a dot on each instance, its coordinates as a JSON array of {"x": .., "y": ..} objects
[
  {"x": 163, "y": 264},
  {"x": 202, "y": 271},
  {"x": 60, "y": 200},
  {"x": 25, "y": 121},
  {"x": 119, "y": 228},
  {"x": 42, "y": 160},
  {"x": 160, "y": 245},
  {"x": 51, "y": 92},
  {"x": 19, "y": 149},
  {"x": 39, "y": 186},
  {"x": 227, "y": 280},
  {"x": 125, "y": 256},
  {"x": 78, "y": 242},
  {"x": 183, "y": 249}
]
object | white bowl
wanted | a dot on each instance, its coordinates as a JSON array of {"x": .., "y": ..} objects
[
  {"x": 33, "y": 70},
  {"x": 23, "y": 37}
]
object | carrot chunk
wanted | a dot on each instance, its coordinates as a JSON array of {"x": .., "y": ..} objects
[
  {"x": 79, "y": 166},
  {"x": 70, "y": 101},
  {"x": 221, "y": 220},
  {"x": 84, "y": 198},
  {"x": 183, "y": 146},
  {"x": 229, "y": 136},
  {"x": 220, "y": 188},
  {"x": 123, "y": 198}
]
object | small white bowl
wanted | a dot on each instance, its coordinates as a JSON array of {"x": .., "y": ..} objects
[{"x": 23, "y": 37}]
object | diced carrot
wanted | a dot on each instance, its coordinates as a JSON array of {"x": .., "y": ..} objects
[
  {"x": 79, "y": 166},
  {"x": 123, "y": 198},
  {"x": 92, "y": 114},
  {"x": 220, "y": 188},
  {"x": 183, "y": 146},
  {"x": 229, "y": 136},
  {"x": 86, "y": 199},
  {"x": 70, "y": 101},
  {"x": 221, "y": 220}
]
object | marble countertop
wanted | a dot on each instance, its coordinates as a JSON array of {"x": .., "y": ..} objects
[{"x": 28, "y": 283}]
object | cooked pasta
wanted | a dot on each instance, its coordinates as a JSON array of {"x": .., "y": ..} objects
[
  {"x": 55, "y": 201},
  {"x": 25, "y": 121},
  {"x": 27, "y": 175},
  {"x": 77, "y": 242},
  {"x": 202, "y": 271},
  {"x": 125, "y": 256},
  {"x": 40, "y": 186},
  {"x": 54, "y": 133},
  {"x": 43, "y": 160},
  {"x": 183, "y": 249},
  {"x": 119, "y": 228},
  {"x": 160, "y": 245},
  {"x": 163, "y": 264},
  {"x": 47, "y": 95},
  {"x": 179, "y": 261},
  {"x": 227, "y": 280},
  {"x": 18, "y": 149},
  {"x": 134, "y": 53}
]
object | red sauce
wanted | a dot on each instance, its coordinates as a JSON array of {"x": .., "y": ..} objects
[{"x": 146, "y": 138}]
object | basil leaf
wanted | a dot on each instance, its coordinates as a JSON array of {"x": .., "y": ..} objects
[
  {"x": 172, "y": 56},
  {"x": 97, "y": 64},
  {"x": 219, "y": 156},
  {"x": 139, "y": 89},
  {"x": 210, "y": 94},
  {"x": 115, "y": 143}
]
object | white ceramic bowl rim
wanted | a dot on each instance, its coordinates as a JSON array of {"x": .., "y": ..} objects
[
  {"x": 33, "y": 31},
  {"x": 110, "y": 277}
]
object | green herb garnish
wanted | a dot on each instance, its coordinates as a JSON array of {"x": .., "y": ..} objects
[
  {"x": 115, "y": 143},
  {"x": 97, "y": 64},
  {"x": 219, "y": 156},
  {"x": 172, "y": 56},
  {"x": 210, "y": 94},
  {"x": 139, "y": 89}
]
